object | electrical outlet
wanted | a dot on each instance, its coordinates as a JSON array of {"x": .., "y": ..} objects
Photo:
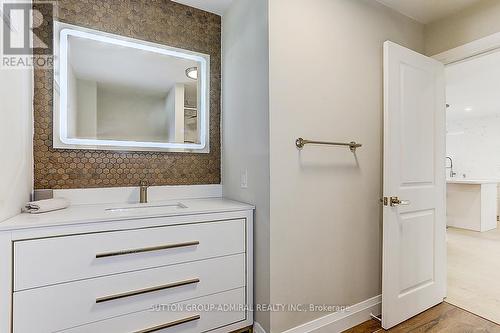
[{"x": 244, "y": 178}]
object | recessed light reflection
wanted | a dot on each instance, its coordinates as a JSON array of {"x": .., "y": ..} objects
[{"x": 192, "y": 73}]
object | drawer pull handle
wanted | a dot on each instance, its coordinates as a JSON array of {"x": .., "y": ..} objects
[
  {"x": 147, "y": 290},
  {"x": 146, "y": 249},
  {"x": 171, "y": 324}
]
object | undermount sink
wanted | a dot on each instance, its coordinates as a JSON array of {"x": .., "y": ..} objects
[{"x": 132, "y": 207}]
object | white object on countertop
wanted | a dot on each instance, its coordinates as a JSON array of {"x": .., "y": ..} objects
[{"x": 44, "y": 206}]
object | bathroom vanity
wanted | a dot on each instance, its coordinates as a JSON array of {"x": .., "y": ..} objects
[
  {"x": 472, "y": 204},
  {"x": 118, "y": 104},
  {"x": 176, "y": 266}
]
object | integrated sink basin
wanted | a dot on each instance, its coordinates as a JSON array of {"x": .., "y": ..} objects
[{"x": 138, "y": 207}]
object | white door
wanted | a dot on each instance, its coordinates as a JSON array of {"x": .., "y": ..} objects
[{"x": 414, "y": 229}]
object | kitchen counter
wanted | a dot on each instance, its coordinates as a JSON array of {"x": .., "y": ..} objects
[{"x": 472, "y": 204}]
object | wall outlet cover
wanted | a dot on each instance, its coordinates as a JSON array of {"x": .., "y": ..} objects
[{"x": 244, "y": 178}]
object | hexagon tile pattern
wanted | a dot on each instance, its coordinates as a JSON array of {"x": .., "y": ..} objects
[{"x": 159, "y": 21}]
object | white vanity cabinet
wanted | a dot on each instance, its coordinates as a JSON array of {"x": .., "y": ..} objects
[{"x": 87, "y": 269}]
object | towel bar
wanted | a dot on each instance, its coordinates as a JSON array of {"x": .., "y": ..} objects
[{"x": 300, "y": 143}]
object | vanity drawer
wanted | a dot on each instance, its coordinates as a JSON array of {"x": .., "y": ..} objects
[
  {"x": 190, "y": 321},
  {"x": 59, "y": 307},
  {"x": 47, "y": 261}
]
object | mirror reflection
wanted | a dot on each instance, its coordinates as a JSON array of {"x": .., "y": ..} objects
[{"x": 117, "y": 93}]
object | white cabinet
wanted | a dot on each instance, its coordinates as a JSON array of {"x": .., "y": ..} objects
[
  {"x": 172, "y": 274},
  {"x": 54, "y": 260},
  {"x": 190, "y": 320}
]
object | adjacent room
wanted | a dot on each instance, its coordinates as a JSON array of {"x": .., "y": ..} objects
[{"x": 473, "y": 173}]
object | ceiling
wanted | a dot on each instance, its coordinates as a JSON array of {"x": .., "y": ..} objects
[
  {"x": 472, "y": 88},
  {"x": 218, "y": 7},
  {"x": 423, "y": 11},
  {"x": 428, "y": 11}
]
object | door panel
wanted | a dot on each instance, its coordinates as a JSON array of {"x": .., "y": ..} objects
[
  {"x": 417, "y": 250},
  {"x": 414, "y": 248},
  {"x": 417, "y": 125}
]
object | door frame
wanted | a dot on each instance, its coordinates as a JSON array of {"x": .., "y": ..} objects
[{"x": 476, "y": 48}]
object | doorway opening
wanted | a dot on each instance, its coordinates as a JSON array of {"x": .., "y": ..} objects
[{"x": 472, "y": 176}]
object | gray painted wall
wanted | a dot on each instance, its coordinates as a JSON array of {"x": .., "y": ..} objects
[{"x": 245, "y": 124}]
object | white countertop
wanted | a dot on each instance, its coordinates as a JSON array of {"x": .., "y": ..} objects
[
  {"x": 472, "y": 181},
  {"x": 98, "y": 213}
]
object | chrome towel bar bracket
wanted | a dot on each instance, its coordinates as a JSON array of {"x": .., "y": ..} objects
[{"x": 300, "y": 143}]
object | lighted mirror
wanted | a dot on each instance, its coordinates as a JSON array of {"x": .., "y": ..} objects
[{"x": 118, "y": 93}]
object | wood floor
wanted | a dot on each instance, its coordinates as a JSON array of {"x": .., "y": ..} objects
[
  {"x": 474, "y": 272},
  {"x": 445, "y": 318}
]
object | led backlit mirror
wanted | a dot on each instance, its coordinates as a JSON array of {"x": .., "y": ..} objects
[{"x": 118, "y": 93}]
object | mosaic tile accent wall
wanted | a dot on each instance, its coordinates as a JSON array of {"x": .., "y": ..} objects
[{"x": 159, "y": 21}]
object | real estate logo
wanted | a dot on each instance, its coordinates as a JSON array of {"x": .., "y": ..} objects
[{"x": 23, "y": 43}]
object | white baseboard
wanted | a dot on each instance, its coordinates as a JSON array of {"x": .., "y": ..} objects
[
  {"x": 341, "y": 321},
  {"x": 257, "y": 328}
]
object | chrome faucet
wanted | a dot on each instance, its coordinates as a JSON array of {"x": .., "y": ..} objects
[
  {"x": 452, "y": 173},
  {"x": 143, "y": 192}
]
